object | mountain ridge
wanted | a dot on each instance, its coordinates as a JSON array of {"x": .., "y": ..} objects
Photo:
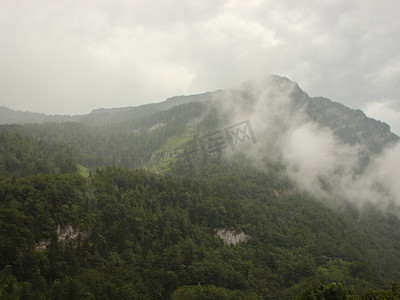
[
  {"x": 106, "y": 116},
  {"x": 100, "y": 116}
]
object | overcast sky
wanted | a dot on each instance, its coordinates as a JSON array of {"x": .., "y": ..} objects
[{"x": 72, "y": 56}]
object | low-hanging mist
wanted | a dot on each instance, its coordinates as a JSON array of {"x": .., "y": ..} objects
[{"x": 315, "y": 158}]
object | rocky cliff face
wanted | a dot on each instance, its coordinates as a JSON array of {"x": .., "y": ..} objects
[
  {"x": 64, "y": 234},
  {"x": 232, "y": 237},
  {"x": 352, "y": 126}
]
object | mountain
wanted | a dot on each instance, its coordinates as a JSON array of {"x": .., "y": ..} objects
[
  {"x": 9, "y": 116},
  {"x": 256, "y": 192},
  {"x": 101, "y": 116},
  {"x": 352, "y": 126}
]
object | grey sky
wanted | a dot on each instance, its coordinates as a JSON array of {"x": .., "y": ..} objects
[{"x": 70, "y": 56}]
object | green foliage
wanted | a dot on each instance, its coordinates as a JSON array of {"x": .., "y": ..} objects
[
  {"x": 127, "y": 144},
  {"x": 338, "y": 291},
  {"x": 22, "y": 155},
  {"x": 199, "y": 292},
  {"x": 149, "y": 236},
  {"x": 325, "y": 292},
  {"x": 139, "y": 235}
]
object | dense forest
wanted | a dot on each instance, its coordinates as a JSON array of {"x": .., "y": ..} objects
[
  {"x": 137, "y": 210},
  {"x": 138, "y": 235}
]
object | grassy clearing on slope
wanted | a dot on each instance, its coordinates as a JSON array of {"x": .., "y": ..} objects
[
  {"x": 82, "y": 170},
  {"x": 166, "y": 156}
]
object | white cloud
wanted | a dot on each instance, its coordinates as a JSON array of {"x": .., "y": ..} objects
[
  {"x": 72, "y": 56},
  {"x": 316, "y": 160}
]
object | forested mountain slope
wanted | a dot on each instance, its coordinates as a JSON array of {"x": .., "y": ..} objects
[
  {"x": 141, "y": 235},
  {"x": 22, "y": 155},
  {"x": 349, "y": 124},
  {"x": 133, "y": 144},
  {"x": 147, "y": 208}
]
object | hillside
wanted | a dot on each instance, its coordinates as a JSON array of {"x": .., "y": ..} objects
[
  {"x": 352, "y": 126},
  {"x": 101, "y": 116},
  {"x": 161, "y": 231},
  {"x": 257, "y": 192}
]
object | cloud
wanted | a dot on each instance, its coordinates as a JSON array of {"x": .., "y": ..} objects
[
  {"x": 386, "y": 170},
  {"x": 314, "y": 158},
  {"x": 73, "y": 56}
]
